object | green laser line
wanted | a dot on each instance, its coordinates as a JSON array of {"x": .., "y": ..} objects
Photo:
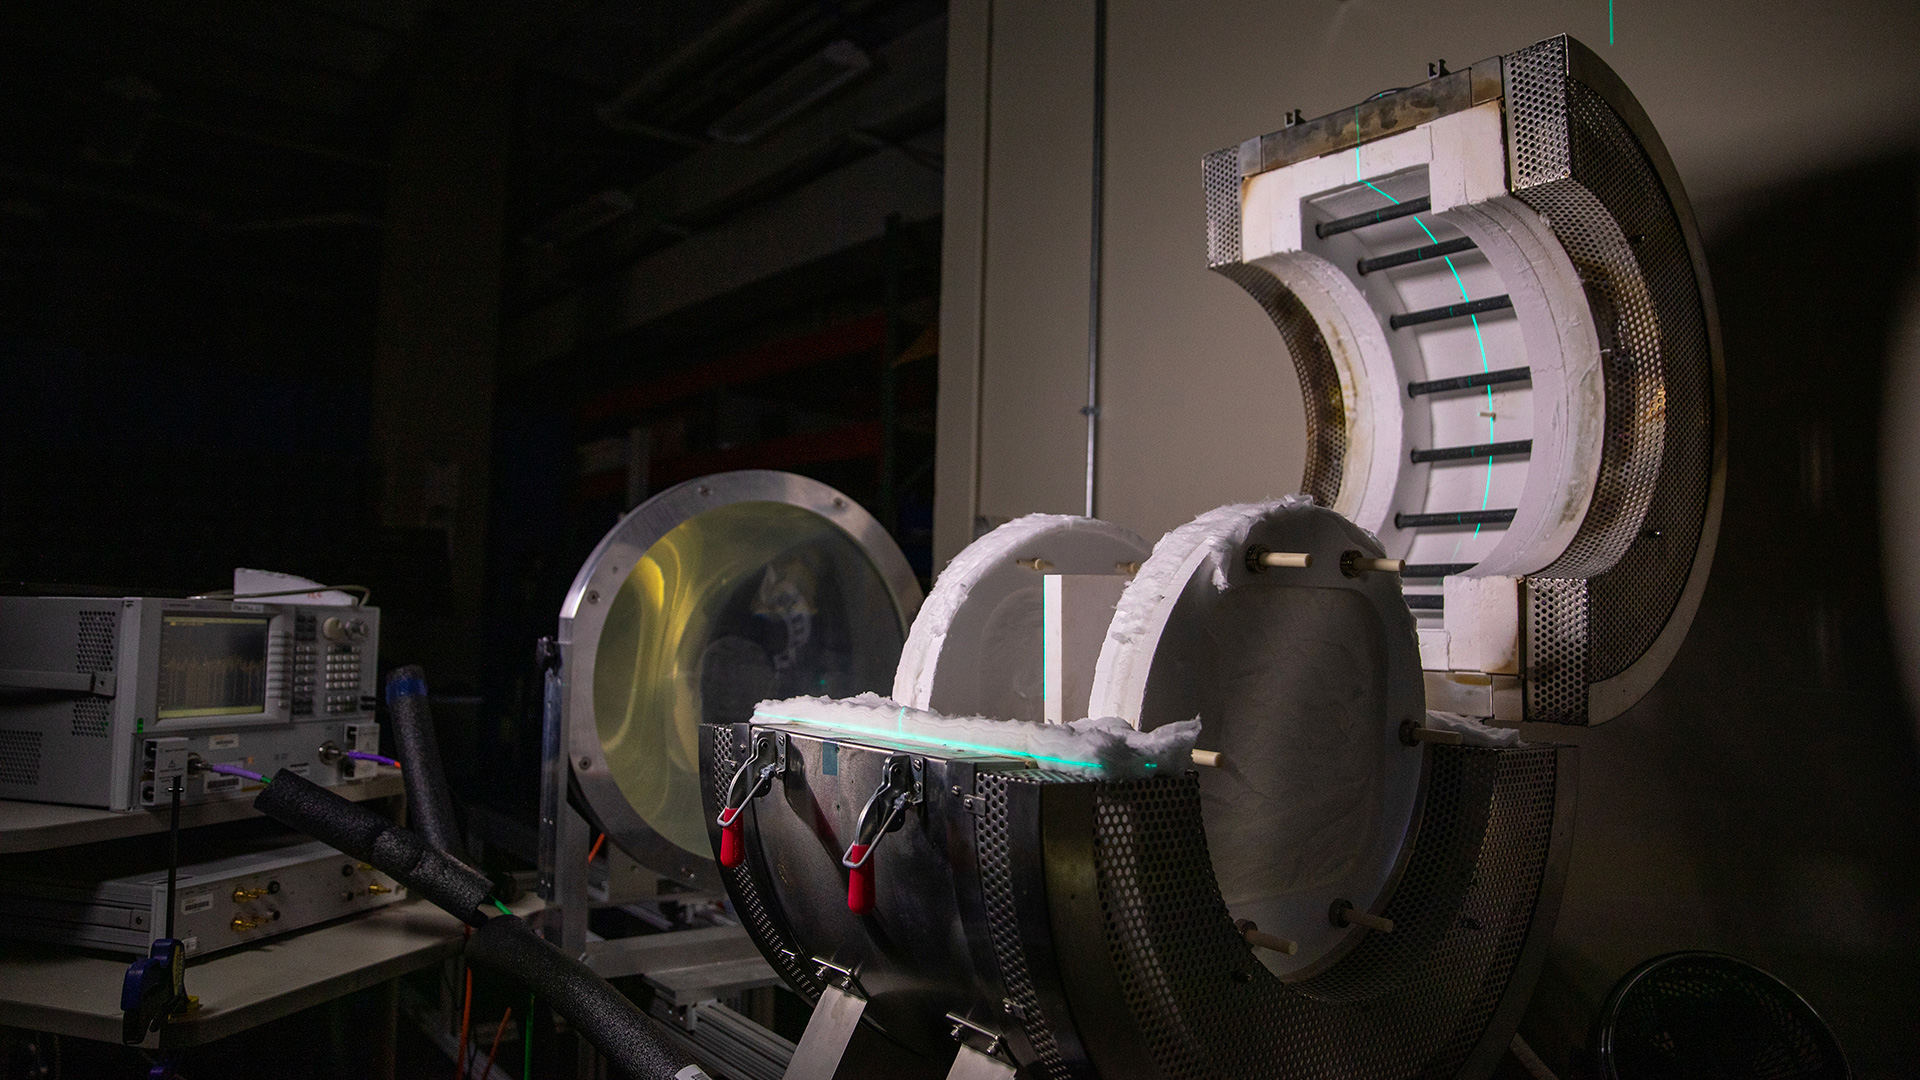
[{"x": 952, "y": 743}]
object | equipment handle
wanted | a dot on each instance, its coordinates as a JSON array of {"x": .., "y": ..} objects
[
  {"x": 859, "y": 879},
  {"x": 733, "y": 845}
]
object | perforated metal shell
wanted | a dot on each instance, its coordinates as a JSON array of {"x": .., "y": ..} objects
[
  {"x": 1436, "y": 997},
  {"x": 1581, "y": 154},
  {"x": 745, "y": 883},
  {"x": 1577, "y": 162}
]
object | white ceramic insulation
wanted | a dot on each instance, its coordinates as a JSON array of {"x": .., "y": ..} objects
[
  {"x": 1301, "y": 679},
  {"x": 1106, "y": 746},
  {"x": 975, "y": 646}
]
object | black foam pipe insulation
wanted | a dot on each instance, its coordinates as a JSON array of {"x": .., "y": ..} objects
[
  {"x": 628, "y": 1037},
  {"x": 399, "y": 853},
  {"x": 429, "y": 804},
  {"x": 621, "y": 1032}
]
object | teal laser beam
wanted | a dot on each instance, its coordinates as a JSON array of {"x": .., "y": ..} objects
[{"x": 951, "y": 744}]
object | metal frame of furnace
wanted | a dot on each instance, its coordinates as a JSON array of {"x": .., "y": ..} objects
[
  {"x": 1073, "y": 926},
  {"x": 574, "y": 773},
  {"x": 1538, "y": 181}
]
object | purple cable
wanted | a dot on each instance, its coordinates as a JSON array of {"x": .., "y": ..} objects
[
  {"x": 361, "y": 755},
  {"x": 235, "y": 770}
]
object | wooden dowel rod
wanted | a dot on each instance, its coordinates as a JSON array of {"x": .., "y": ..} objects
[
  {"x": 1356, "y": 917},
  {"x": 1260, "y": 939},
  {"x": 1293, "y": 560},
  {"x": 1354, "y": 563}
]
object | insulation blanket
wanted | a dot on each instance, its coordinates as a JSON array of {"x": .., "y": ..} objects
[{"x": 1106, "y": 746}]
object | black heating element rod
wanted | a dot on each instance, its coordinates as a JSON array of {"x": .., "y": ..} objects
[
  {"x": 1435, "y": 570},
  {"x": 1479, "y": 450},
  {"x": 1468, "y": 382},
  {"x": 1414, "y": 255},
  {"x": 1464, "y": 517},
  {"x": 1372, "y": 217},
  {"x": 1451, "y": 311},
  {"x": 1423, "y": 602}
]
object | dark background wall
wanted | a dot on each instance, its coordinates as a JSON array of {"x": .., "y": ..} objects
[{"x": 1763, "y": 799}]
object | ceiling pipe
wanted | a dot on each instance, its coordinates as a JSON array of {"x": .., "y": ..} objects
[{"x": 720, "y": 39}]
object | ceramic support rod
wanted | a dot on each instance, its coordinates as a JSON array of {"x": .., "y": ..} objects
[
  {"x": 1353, "y": 563},
  {"x": 1208, "y": 758},
  {"x": 1356, "y": 917},
  {"x": 1260, "y": 939}
]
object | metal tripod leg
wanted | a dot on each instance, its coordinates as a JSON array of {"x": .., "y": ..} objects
[
  {"x": 834, "y": 1020},
  {"x": 971, "y": 1064}
]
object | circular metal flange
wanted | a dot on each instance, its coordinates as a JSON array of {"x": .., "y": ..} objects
[
  {"x": 705, "y": 599},
  {"x": 975, "y": 648},
  {"x": 1302, "y": 677}
]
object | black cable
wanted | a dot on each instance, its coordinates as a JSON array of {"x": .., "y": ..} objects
[{"x": 173, "y": 851}]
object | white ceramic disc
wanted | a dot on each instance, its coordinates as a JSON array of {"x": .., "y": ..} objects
[
  {"x": 1301, "y": 679},
  {"x": 976, "y": 647}
]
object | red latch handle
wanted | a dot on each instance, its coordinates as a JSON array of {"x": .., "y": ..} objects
[
  {"x": 859, "y": 880},
  {"x": 733, "y": 846}
]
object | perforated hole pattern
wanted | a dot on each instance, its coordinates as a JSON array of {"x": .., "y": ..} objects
[
  {"x": 1556, "y": 650},
  {"x": 1319, "y": 379},
  {"x": 1577, "y": 164},
  {"x": 1536, "y": 81},
  {"x": 751, "y": 906},
  {"x": 1220, "y": 179},
  {"x": 1705, "y": 1017},
  {"x": 93, "y": 652},
  {"x": 20, "y": 757},
  {"x": 996, "y": 882},
  {"x": 1206, "y": 1008}
]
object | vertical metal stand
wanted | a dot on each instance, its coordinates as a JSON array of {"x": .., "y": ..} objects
[
  {"x": 890, "y": 381},
  {"x": 971, "y": 1064},
  {"x": 564, "y": 836},
  {"x": 834, "y": 1021}
]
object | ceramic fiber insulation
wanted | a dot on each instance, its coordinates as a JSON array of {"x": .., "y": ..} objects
[{"x": 1107, "y": 745}]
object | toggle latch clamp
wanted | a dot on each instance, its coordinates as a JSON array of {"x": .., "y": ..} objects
[
  {"x": 770, "y": 747},
  {"x": 902, "y": 781}
]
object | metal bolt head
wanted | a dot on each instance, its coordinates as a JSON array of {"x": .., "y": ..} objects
[
  {"x": 593, "y": 596},
  {"x": 586, "y": 763}
]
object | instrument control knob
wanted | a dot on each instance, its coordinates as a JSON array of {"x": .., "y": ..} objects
[{"x": 348, "y": 631}]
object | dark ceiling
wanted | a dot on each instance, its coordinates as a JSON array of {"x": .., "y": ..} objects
[{"x": 188, "y": 135}]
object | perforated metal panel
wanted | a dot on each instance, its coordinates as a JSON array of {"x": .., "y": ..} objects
[
  {"x": 20, "y": 757},
  {"x": 749, "y": 904},
  {"x": 92, "y": 717},
  {"x": 1609, "y": 209},
  {"x": 1536, "y": 90},
  {"x": 1220, "y": 176},
  {"x": 1415, "y": 1002},
  {"x": 1556, "y": 642},
  {"x": 94, "y": 650},
  {"x": 1319, "y": 379},
  {"x": 1022, "y": 1004}
]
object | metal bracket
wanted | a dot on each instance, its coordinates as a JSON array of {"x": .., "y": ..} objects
[
  {"x": 97, "y": 683},
  {"x": 849, "y": 979},
  {"x": 962, "y": 1027},
  {"x": 831, "y": 1028}
]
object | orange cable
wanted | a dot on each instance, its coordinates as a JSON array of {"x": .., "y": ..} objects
[
  {"x": 595, "y": 850},
  {"x": 495, "y": 1048},
  {"x": 466, "y": 1020}
]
